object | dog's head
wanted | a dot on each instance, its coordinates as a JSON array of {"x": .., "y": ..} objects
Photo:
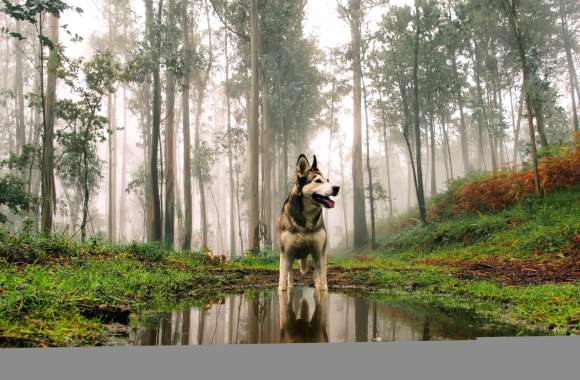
[{"x": 314, "y": 186}]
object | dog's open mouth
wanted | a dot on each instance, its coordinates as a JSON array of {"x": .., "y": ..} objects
[{"x": 324, "y": 201}]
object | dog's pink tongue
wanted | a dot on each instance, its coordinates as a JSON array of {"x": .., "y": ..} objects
[{"x": 328, "y": 203}]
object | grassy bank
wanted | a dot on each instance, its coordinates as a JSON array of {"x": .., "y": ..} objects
[
  {"x": 524, "y": 260},
  {"x": 54, "y": 291}
]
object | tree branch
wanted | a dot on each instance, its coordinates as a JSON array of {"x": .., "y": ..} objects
[{"x": 223, "y": 20}]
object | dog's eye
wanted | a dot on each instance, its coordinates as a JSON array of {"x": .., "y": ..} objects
[{"x": 318, "y": 181}]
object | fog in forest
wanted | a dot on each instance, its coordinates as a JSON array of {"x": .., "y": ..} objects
[{"x": 181, "y": 121}]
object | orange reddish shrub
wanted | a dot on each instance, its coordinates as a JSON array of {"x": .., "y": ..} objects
[
  {"x": 504, "y": 189},
  {"x": 560, "y": 172}
]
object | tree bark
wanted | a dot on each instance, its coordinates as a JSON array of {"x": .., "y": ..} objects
[
  {"x": 123, "y": 205},
  {"x": 253, "y": 134},
  {"x": 369, "y": 169},
  {"x": 47, "y": 168},
  {"x": 187, "y": 191},
  {"x": 19, "y": 92},
  {"x": 230, "y": 152},
  {"x": 112, "y": 110},
  {"x": 170, "y": 86},
  {"x": 416, "y": 110},
  {"x": 267, "y": 137},
  {"x": 361, "y": 234},
  {"x": 156, "y": 232}
]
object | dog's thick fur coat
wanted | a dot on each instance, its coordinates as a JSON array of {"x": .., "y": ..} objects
[{"x": 301, "y": 229}]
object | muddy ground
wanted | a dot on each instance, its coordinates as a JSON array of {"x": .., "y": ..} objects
[
  {"x": 337, "y": 277},
  {"x": 533, "y": 271}
]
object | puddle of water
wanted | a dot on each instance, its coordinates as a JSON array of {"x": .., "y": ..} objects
[{"x": 306, "y": 316}]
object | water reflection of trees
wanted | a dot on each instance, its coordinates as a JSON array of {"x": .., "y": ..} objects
[{"x": 300, "y": 316}]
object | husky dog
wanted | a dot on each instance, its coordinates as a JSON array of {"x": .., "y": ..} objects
[
  {"x": 299, "y": 327},
  {"x": 301, "y": 230}
]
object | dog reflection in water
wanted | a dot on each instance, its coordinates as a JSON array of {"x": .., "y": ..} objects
[{"x": 298, "y": 327}]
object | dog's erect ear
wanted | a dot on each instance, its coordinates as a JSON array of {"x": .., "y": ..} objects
[
  {"x": 302, "y": 166},
  {"x": 314, "y": 164}
]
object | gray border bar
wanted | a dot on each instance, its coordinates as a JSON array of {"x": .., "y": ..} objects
[{"x": 490, "y": 358}]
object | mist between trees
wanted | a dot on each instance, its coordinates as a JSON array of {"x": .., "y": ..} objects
[{"x": 184, "y": 123}]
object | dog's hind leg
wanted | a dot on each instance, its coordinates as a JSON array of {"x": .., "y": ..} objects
[{"x": 304, "y": 266}]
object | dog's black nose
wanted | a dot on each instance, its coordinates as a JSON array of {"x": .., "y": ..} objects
[{"x": 335, "y": 190}]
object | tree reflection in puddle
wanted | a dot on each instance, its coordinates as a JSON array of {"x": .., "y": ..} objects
[{"x": 307, "y": 316}]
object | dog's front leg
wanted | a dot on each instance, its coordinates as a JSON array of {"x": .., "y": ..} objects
[
  {"x": 320, "y": 271},
  {"x": 283, "y": 281},
  {"x": 323, "y": 266},
  {"x": 290, "y": 273}
]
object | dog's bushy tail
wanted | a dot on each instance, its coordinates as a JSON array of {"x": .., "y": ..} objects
[{"x": 303, "y": 266}]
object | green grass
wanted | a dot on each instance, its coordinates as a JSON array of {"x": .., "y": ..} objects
[
  {"x": 46, "y": 283},
  {"x": 533, "y": 226}
]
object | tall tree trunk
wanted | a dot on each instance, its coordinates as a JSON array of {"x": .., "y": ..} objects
[
  {"x": 369, "y": 169},
  {"x": 156, "y": 234},
  {"x": 170, "y": 86},
  {"x": 112, "y": 110},
  {"x": 240, "y": 233},
  {"x": 198, "y": 173},
  {"x": 481, "y": 119},
  {"x": 86, "y": 192},
  {"x": 253, "y": 134},
  {"x": 361, "y": 234},
  {"x": 267, "y": 142},
  {"x": 416, "y": 111},
  {"x": 47, "y": 168},
  {"x": 187, "y": 191},
  {"x": 123, "y": 205},
  {"x": 19, "y": 91},
  {"x": 230, "y": 153}
]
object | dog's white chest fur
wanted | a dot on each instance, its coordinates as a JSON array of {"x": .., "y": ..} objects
[{"x": 299, "y": 241}]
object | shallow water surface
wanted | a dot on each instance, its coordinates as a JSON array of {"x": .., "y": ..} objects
[{"x": 307, "y": 316}]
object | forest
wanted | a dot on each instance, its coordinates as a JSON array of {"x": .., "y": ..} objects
[{"x": 147, "y": 148}]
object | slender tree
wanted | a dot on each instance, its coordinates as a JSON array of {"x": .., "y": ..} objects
[
  {"x": 47, "y": 169},
  {"x": 187, "y": 190},
  {"x": 361, "y": 235},
  {"x": 253, "y": 134},
  {"x": 170, "y": 87}
]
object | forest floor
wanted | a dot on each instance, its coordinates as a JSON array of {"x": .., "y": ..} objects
[{"x": 520, "y": 265}]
